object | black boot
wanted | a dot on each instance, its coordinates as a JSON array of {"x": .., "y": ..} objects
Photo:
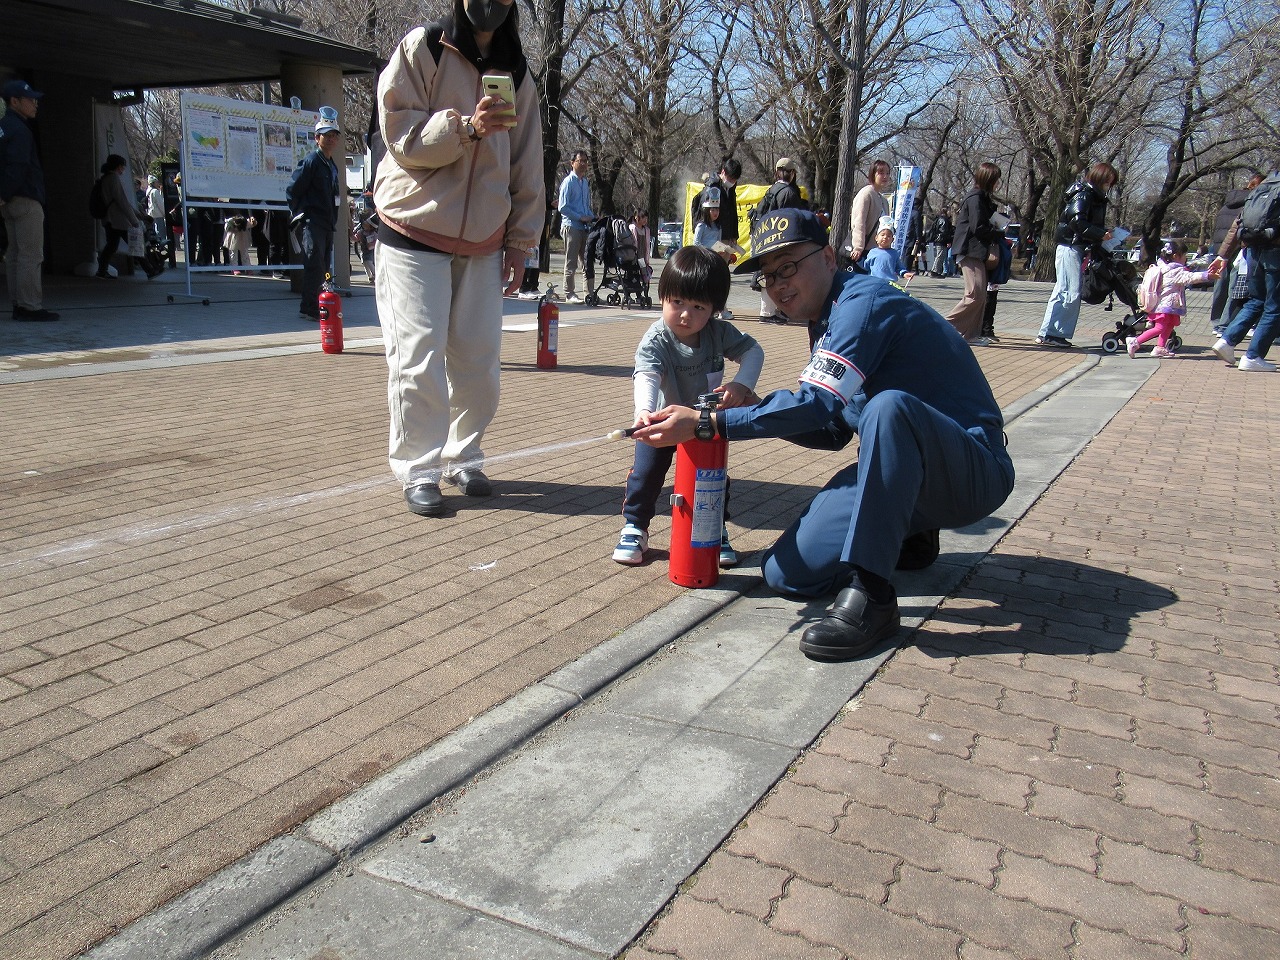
[{"x": 855, "y": 625}]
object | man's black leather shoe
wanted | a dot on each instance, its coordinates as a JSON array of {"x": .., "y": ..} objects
[
  {"x": 425, "y": 500},
  {"x": 854, "y": 626},
  {"x": 22, "y": 313},
  {"x": 918, "y": 551},
  {"x": 471, "y": 481}
]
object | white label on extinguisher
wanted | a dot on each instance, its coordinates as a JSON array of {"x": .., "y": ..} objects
[
  {"x": 553, "y": 333},
  {"x": 708, "y": 507}
]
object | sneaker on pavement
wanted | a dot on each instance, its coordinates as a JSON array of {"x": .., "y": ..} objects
[
  {"x": 1255, "y": 364},
  {"x": 728, "y": 555},
  {"x": 1131, "y": 345},
  {"x": 1224, "y": 351},
  {"x": 631, "y": 545},
  {"x": 1162, "y": 352},
  {"x": 573, "y": 298}
]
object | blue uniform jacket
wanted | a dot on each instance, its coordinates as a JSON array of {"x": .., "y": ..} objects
[{"x": 875, "y": 337}]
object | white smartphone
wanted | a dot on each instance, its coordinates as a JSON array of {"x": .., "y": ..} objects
[{"x": 499, "y": 85}]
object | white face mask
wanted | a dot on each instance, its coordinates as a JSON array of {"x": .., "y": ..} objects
[{"x": 486, "y": 16}]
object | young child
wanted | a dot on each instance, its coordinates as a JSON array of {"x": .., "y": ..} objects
[
  {"x": 680, "y": 357},
  {"x": 1171, "y": 282},
  {"x": 884, "y": 261},
  {"x": 707, "y": 232}
]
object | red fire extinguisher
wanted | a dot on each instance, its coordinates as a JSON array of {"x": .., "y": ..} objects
[
  {"x": 330, "y": 317},
  {"x": 697, "y": 514},
  {"x": 548, "y": 330}
]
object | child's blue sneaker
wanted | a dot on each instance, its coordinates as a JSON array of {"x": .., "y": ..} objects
[
  {"x": 728, "y": 556},
  {"x": 631, "y": 545}
]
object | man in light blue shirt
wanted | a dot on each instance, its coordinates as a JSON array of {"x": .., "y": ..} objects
[{"x": 575, "y": 220}]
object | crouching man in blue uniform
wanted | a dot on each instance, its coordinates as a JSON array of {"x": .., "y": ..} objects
[{"x": 931, "y": 437}]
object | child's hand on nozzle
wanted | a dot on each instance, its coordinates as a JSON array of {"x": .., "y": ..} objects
[
  {"x": 909, "y": 276},
  {"x": 733, "y": 394}
]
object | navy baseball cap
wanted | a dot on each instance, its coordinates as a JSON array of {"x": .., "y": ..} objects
[
  {"x": 20, "y": 88},
  {"x": 782, "y": 228}
]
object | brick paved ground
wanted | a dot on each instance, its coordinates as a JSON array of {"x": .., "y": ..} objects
[
  {"x": 1077, "y": 756},
  {"x": 219, "y": 617}
]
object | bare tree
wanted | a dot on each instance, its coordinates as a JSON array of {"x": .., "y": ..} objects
[
  {"x": 886, "y": 60},
  {"x": 1070, "y": 76},
  {"x": 1215, "y": 117}
]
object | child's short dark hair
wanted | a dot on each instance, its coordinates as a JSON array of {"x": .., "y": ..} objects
[{"x": 695, "y": 273}]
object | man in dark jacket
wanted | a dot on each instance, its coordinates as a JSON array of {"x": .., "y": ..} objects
[
  {"x": 939, "y": 239},
  {"x": 313, "y": 196},
  {"x": 784, "y": 194},
  {"x": 22, "y": 199}
]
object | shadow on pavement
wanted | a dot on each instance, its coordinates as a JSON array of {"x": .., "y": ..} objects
[{"x": 1040, "y": 605}]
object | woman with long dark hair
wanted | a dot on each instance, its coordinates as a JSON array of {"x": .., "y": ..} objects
[
  {"x": 460, "y": 197},
  {"x": 975, "y": 238}
]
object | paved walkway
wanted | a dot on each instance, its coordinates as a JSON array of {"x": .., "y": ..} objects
[{"x": 217, "y": 624}]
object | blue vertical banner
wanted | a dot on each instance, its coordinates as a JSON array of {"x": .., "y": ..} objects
[{"x": 904, "y": 201}]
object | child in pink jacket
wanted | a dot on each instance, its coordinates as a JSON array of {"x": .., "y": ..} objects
[{"x": 1170, "y": 288}]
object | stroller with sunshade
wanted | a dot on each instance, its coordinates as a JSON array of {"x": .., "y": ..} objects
[{"x": 610, "y": 242}]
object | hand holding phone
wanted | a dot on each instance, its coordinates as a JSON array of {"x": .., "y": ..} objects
[{"x": 499, "y": 86}]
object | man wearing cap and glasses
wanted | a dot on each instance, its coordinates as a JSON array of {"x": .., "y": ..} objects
[
  {"x": 931, "y": 444},
  {"x": 314, "y": 196},
  {"x": 22, "y": 199}
]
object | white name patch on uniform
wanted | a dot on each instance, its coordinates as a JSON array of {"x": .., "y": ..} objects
[{"x": 833, "y": 373}]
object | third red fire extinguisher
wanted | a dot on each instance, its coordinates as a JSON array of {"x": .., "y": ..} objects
[
  {"x": 548, "y": 330},
  {"x": 697, "y": 514}
]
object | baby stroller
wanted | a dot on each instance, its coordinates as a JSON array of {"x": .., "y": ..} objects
[
  {"x": 610, "y": 242},
  {"x": 156, "y": 257},
  {"x": 1110, "y": 276}
]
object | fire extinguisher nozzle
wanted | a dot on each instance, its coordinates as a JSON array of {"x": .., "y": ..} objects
[{"x": 620, "y": 434}]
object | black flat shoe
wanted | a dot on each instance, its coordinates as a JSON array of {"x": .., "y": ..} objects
[
  {"x": 471, "y": 481},
  {"x": 425, "y": 500},
  {"x": 854, "y": 626}
]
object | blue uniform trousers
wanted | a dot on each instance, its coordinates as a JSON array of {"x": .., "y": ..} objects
[{"x": 916, "y": 470}]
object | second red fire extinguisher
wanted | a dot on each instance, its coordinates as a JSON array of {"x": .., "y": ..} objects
[
  {"x": 697, "y": 513},
  {"x": 548, "y": 330},
  {"x": 330, "y": 317}
]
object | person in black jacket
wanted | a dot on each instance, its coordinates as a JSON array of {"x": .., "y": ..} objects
[
  {"x": 22, "y": 199},
  {"x": 940, "y": 236},
  {"x": 976, "y": 236},
  {"x": 313, "y": 197},
  {"x": 1082, "y": 225}
]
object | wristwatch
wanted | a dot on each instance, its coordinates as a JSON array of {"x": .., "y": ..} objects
[
  {"x": 706, "y": 429},
  {"x": 470, "y": 129}
]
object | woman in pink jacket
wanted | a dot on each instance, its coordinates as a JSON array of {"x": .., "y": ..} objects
[{"x": 1167, "y": 280}]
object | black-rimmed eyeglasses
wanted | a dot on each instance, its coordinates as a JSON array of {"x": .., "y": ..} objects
[{"x": 787, "y": 269}]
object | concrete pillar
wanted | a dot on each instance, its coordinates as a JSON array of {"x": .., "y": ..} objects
[{"x": 319, "y": 86}]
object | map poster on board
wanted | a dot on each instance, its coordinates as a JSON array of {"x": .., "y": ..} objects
[{"x": 239, "y": 149}]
